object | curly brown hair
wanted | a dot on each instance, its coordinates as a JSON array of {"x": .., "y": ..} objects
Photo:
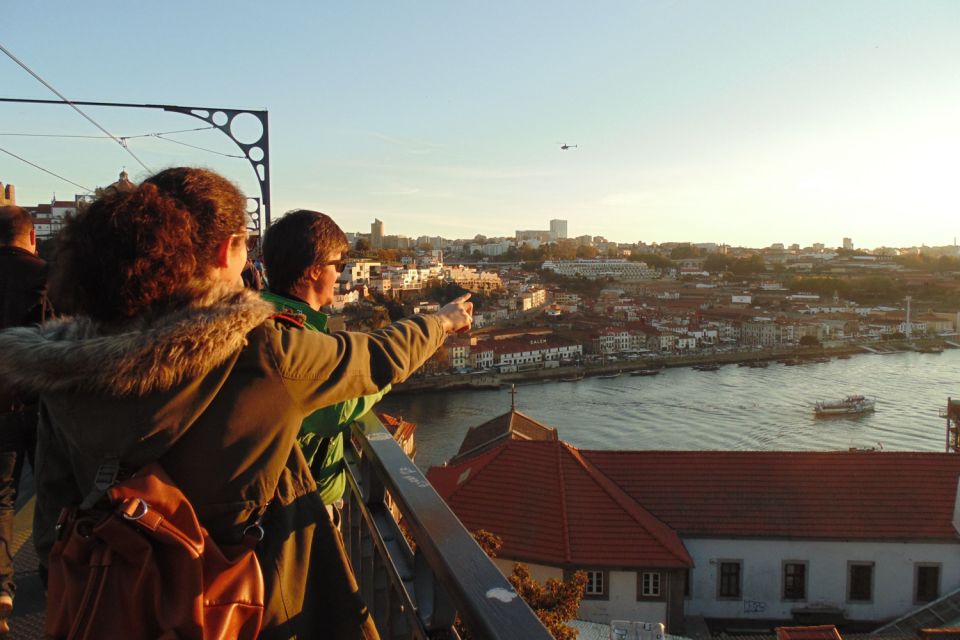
[{"x": 143, "y": 250}]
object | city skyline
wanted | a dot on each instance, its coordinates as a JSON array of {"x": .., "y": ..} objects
[{"x": 745, "y": 123}]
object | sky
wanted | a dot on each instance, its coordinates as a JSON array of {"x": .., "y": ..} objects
[{"x": 739, "y": 122}]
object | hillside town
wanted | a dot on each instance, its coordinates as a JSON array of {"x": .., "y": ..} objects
[{"x": 544, "y": 300}]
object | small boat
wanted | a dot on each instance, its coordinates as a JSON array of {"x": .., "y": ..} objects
[
  {"x": 759, "y": 364},
  {"x": 707, "y": 366},
  {"x": 792, "y": 362},
  {"x": 844, "y": 356},
  {"x": 645, "y": 372},
  {"x": 929, "y": 349},
  {"x": 822, "y": 359},
  {"x": 851, "y": 405},
  {"x": 572, "y": 378},
  {"x": 610, "y": 376}
]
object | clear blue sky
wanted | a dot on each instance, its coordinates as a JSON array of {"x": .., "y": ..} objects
[{"x": 736, "y": 122}]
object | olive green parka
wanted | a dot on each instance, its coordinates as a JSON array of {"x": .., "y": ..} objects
[{"x": 216, "y": 391}]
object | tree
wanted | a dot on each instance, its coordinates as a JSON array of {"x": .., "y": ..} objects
[
  {"x": 362, "y": 244},
  {"x": 716, "y": 263},
  {"x": 652, "y": 260},
  {"x": 684, "y": 251},
  {"x": 587, "y": 252},
  {"x": 555, "y": 602},
  {"x": 809, "y": 341}
]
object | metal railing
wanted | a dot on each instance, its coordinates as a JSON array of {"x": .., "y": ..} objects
[{"x": 419, "y": 593}]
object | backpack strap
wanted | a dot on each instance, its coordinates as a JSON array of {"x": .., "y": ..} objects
[{"x": 107, "y": 474}]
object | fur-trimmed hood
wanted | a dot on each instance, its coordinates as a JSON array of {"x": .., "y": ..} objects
[{"x": 147, "y": 354}]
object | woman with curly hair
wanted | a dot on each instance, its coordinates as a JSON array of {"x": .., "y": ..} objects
[{"x": 168, "y": 358}]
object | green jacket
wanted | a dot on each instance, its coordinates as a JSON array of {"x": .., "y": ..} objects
[{"x": 324, "y": 429}]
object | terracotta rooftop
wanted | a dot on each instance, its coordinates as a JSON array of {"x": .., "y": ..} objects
[
  {"x": 511, "y": 425},
  {"x": 827, "y": 495},
  {"x": 552, "y": 506},
  {"x": 822, "y": 632}
]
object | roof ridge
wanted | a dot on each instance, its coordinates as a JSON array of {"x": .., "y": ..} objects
[
  {"x": 664, "y": 533},
  {"x": 563, "y": 504}
]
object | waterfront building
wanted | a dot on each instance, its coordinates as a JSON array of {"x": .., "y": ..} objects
[
  {"x": 531, "y": 352},
  {"x": 738, "y": 537}
]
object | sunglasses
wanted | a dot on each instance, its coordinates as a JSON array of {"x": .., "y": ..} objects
[{"x": 339, "y": 265}]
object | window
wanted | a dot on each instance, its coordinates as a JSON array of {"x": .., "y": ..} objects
[
  {"x": 860, "y": 581},
  {"x": 794, "y": 580},
  {"x": 687, "y": 576},
  {"x": 649, "y": 585},
  {"x": 927, "y": 582},
  {"x": 596, "y": 585},
  {"x": 729, "y": 579}
]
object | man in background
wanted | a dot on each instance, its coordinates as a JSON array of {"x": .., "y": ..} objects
[
  {"x": 23, "y": 301},
  {"x": 304, "y": 254}
]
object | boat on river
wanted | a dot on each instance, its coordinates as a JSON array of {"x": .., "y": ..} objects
[
  {"x": 610, "y": 376},
  {"x": 645, "y": 372},
  {"x": 707, "y": 366},
  {"x": 851, "y": 405},
  {"x": 575, "y": 378}
]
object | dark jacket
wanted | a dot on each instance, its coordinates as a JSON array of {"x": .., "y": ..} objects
[
  {"x": 23, "y": 301},
  {"x": 23, "y": 287},
  {"x": 217, "y": 391}
]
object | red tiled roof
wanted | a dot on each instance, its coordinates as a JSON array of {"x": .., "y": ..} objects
[
  {"x": 822, "y": 632},
  {"x": 550, "y": 505},
  {"x": 826, "y": 495},
  {"x": 399, "y": 428},
  {"x": 511, "y": 425}
]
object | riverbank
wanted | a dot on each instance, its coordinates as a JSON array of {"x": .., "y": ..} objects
[{"x": 489, "y": 381}]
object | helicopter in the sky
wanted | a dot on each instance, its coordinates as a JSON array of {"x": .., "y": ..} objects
[{"x": 566, "y": 146}]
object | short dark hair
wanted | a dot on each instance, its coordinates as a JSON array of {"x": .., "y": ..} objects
[
  {"x": 15, "y": 223},
  {"x": 137, "y": 251},
  {"x": 296, "y": 242}
]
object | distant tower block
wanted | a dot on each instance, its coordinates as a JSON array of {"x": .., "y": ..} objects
[
  {"x": 559, "y": 229},
  {"x": 848, "y": 244},
  {"x": 7, "y": 195},
  {"x": 376, "y": 234}
]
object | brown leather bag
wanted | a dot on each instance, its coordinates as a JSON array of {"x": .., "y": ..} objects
[{"x": 145, "y": 568}]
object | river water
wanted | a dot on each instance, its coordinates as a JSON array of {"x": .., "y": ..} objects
[{"x": 735, "y": 408}]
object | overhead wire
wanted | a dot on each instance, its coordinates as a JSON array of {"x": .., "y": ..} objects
[
  {"x": 72, "y": 135},
  {"x": 88, "y": 189},
  {"x": 75, "y": 107},
  {"x": 193, "y": 146}
]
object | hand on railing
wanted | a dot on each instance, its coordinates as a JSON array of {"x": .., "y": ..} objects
[{"x": 457, "y": 315}]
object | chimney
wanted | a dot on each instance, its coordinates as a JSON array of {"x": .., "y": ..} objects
[{"x": 7, "y": 194}]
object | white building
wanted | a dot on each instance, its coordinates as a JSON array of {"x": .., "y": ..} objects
[
  {"x": 763, "y": 536},
  {"x": 617, "y": 269}
]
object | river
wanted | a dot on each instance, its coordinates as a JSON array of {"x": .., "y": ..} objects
[{"x": 735, "y": 408}]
